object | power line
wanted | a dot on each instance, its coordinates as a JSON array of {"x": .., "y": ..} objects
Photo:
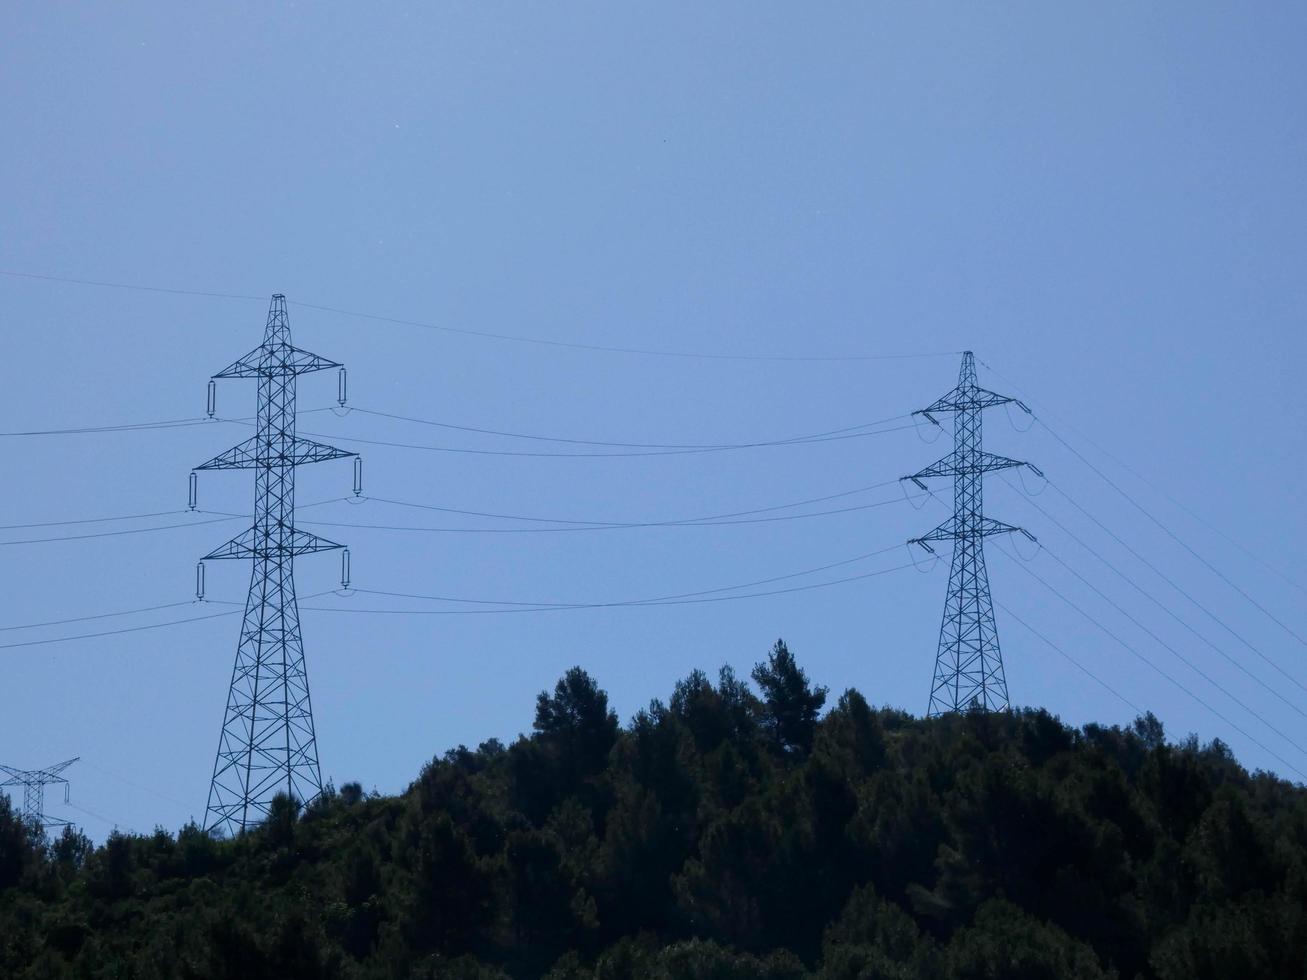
[
  {"x": 117, "y": 632},
  {"x": 605, "y": 349},
  {"x": 223, "y": 517},
  {"x": 1176, "y": 538},
  {"x": 559, "y": 607},
  {"x": 613, "y": 527},
  {"x": 487, "y": 335},
  {"x": 103, "y": 819},
  {"x": 123, "y": 779},
  {"x": 1178, "y": 588},
  {"x": 92, "y": 520},
  {"x": 847, "y": 432},
  {"x": 143, "y": 426},
  {"x": 691, "y": 520},
  {"x": 624, "y": 445},
  {"x": 1170, "y": 497},
  {"x": 123, "y": 285},
  {"x": 1074, "y": 662},
  {"x": 110, "y": 615},
  {"x": 1096, "y": 622},
  {"x": 1173, "y": 651},
  {"x": 1161, "y": 605},
  {"x": 1171, "y": 534},
  {"x": 612, "y": 455},
  {"x": 127, "y": 427},
  {"x": 649, "y": 601},
  {"x": 114, "y": 534},
  {"x": 131, "y": 629}
]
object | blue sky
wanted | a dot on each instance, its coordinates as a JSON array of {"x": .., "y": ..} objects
[{"x": 1105, "y": 203}]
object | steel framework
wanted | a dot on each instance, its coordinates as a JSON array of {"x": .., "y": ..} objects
[
  {"x": 968, "y": 663},
  {"x": 34, "y": 782},
  {"x": 268, "y": 745}
]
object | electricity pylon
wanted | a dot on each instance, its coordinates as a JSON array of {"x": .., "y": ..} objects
[
  {"x": 34, "y": 782},
  {"x": 268, "y": 745},
  {"x": 969, "y": 662}
]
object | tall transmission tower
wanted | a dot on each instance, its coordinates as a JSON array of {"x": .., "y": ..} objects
[
  {"x": 969, "y": 662},
  {"x": 268, "y": 745},
  {"x": 34, "y": 782}
]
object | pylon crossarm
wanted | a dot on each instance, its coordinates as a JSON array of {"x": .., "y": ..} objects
[
  {"x": 964, "y": 399},
  {"x": 247, "y": 544},
  {"x": 48, "y": 778},
  {"x": 308, "y": 451},
  {"x": 242, "y": 457},
  {"x": 971, "y": 464},
  {"x": 941, "y": 467},
  {"x": 276, "y": 359},
  {"x": 989, "y": 527},
  {"x": 252, "y": 453},
  {"x": 945, "y": 532},
  {"x": 988, "y": 463}
]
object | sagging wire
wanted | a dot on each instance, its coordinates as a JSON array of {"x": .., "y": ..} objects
[{"x": 1011, "y": 419}]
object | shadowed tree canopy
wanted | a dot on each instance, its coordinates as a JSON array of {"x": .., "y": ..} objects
[
  {"x": 730, "y": 834},
  {"x": 577, "y": 719},
  {"x": 792, "y": 704}
]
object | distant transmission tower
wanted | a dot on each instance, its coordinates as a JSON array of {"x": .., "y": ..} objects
[
  {"x": 268, "y": 744},
  {"x": 969, "y": 663},
  {"x": 34, "y": 782}
]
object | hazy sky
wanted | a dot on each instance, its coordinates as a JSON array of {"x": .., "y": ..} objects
[{"x": 1104, "y": 201}]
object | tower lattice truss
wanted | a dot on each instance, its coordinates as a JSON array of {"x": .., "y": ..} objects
[
  {"x": 268, "y": 745},
  {"x": 969, "y": 662},
  {"x": 34, "y": 782}
]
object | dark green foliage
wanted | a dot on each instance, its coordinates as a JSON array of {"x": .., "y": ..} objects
[
  {"x": 791, "y": 703},
  {"x": 725, "y": 834}
]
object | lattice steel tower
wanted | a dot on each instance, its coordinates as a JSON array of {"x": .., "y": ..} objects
[
  {"x": 969, "y": 663},
  {"x": 268, "y": 744},
  {"x": 34, "y": 782}
]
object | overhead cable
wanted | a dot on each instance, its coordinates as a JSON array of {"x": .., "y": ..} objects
[
  {"x": 1178, "y": 588},
  {"x": 610, "y": 605},
  {"x": 624, "y": 445},
  {"x": 614, "y": 527},
  {"x": 687, "y": 520},
  {"x": 1164, "y": 607},
  {"x": 109, "y": 615},
  {"x": 131, "y": 286},
  {"x": 143, "y": 426},
  {"x": 609, "y": 455},
  {"x": 639, "y": 602},
  {"x": 132, "y": 629},
  {"x": 1129, "y": 498},
  {"x": 1230, "y": 539},
  {"x": 221, "y": 517},
  {"x": 514, "y": 338},
  {"x": 1135, "y": 653},
  {"x": 1072, "y": 660}
]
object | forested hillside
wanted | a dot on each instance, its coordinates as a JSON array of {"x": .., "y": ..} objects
[{"x": 732, "y": 831}]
